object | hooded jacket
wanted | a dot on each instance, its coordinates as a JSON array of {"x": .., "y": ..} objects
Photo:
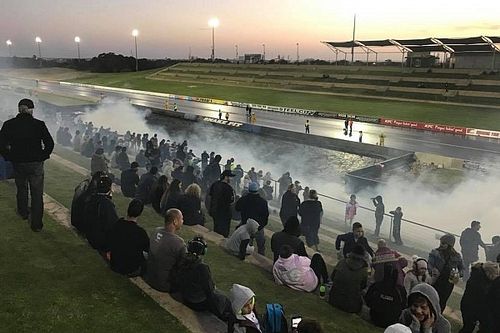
[
  {"x": 441, "y": 324},
  {"x": 295, "y": 272},
  {"x": 239, "y": 295},
  {"x": 237, "y": 243},
  {"x": 289, "y": 205},
  {"x": 253, "y": 206},
  {"x": 349, "y": 279}
]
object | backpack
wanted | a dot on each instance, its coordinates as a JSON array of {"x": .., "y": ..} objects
[
  {"x": 83, "y": 192},
  {"x": 274, "y": 319}
]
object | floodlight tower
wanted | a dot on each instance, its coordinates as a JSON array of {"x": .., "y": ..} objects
[
  {"x": 213, "y": 23},
  {"x": 77, "y": 41},
  {"x": 9, "y": 45},
  {"x": 38, "y": 41},
  {"x": 135, "y": 33}
]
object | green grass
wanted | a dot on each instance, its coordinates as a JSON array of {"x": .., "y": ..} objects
[
  {"x": 433, "y": 113},
  {"x": 53, "y": 282},
  {"x": 225, "y": 268}
]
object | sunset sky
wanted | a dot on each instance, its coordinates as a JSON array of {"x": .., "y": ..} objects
[{"x": 169, "y": 28}]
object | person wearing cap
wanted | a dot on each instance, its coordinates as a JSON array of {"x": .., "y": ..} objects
[
  {"x": 100, "y": 215},
  {"x": 128, "y": 242},
  {"x": 470, "y": 240},
  {"x": 220, "y": 198},
  {"x": 193, "y": 280},
  {"x": 446, "y": 268},
  {"x": 27, "y": 143},
  {"x": 253, "y": 206},
  {"x": 129, "y": 180}
]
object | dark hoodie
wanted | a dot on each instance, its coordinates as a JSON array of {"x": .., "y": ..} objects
[
  {"x": 441, "y": 324},
  {"x": 386, "y": 299},
  {"x": 349, "y": 279}
]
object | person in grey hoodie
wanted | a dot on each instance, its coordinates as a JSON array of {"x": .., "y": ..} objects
[
  {"x": 238, "y": 242},
  {"x": 423, "y": 314},
  {"x": 243, "y": 306}
]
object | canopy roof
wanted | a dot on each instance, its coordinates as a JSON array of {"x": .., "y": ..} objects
[{"x": 451, "y": 45}]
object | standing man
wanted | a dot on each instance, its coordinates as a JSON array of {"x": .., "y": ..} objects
[
  {"x": 470, "y": 240},
  {"x": 379, "y": 213},
  {"x": 220, "y": 114},
  {"x": 220, "y": 200},
  {"x": 253, "y": 206},
  {"x": 27, "y": 143},
  {"x": 382, "y": 139},
  {"x": 361, "y": 136},
  {"x": 307, "y": 126}
]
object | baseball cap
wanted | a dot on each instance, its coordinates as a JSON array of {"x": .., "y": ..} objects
[{"x": 26, "y": 102}]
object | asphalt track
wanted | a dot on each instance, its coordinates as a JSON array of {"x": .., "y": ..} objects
[{"x": 471, "y": 148}]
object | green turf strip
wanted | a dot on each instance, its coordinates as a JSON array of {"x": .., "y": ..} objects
[{"x": 53, "y": 282}]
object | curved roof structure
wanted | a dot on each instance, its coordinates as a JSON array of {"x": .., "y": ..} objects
[{"x": 480, "y": 44}]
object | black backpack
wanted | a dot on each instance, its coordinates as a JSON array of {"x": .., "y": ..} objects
[{"x": 83, "y": 192}]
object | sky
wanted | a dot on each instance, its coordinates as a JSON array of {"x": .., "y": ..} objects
[{"x": 170, "y": 28}]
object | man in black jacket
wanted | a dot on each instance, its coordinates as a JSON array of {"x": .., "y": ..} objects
[
  {"x": 220, "y": 197},
  {"x": 27, "y": 143},
  {"x": 253, "y": 206},
  {"x": 351, "y": 239}
]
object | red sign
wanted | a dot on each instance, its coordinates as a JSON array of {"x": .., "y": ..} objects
[{"x": 424, "y": 126}]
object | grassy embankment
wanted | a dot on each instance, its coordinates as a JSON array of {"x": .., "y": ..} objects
[
  {"x": 425, "y": 112},
  {"x": 53, "y": 282},
  {"x": 70, "y": 286}
]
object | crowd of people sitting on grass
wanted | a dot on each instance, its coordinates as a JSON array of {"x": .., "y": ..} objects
[{"x": 402, "y": 295}]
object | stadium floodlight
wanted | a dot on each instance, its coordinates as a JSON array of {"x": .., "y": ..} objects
[
  {"x": 135, "y": 33},
  {"x": 77, "y": 41},
  {"x": 38, "y": 41},
  {"x": 9, "y": 45},
  {"x": 213, "y": 23}
]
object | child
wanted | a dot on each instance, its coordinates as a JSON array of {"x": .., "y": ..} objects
[
  {"x": 350, "y": 209},
  {"x": 243, "y": 304},
  {"x": 424, "y": 313},
  {"x": 418, "y": 274}
]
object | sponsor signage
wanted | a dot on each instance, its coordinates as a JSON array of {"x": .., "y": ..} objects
[
  {"x": 223, "y": 122},
  {"x": 483, "y": 133},
  {"x": 424, "y": 126}
]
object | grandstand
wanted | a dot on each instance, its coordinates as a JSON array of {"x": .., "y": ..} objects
[{"x": 470, "y": 86}]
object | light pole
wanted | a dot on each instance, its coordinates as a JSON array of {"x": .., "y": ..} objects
[
  {"x": 213, "y": 23},
  {"x": 298, "y": 53},
  {"x": 135, "y": 33},
  {"x": 77, "y": 41},
  {"x": 353, "y": 39},
  {"x": 9, "y": 45},
  {"x": 263, "y": 52},
  {"x": 38, "y": 41},
  {"x": 236, "y": 47}
]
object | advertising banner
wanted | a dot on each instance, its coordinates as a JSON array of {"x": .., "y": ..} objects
[
  {"x": 424, "y": 126},
  {"x": 483, "y": 133},
  {"x": 223, "y": 122}
]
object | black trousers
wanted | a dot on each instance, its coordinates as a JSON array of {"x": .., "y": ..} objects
[
  {"x": 444, "y": 289},
  {"x": 378, "y": 223},
  {"x": 319, "y": 267},
  {"x": 29, "y": 177},
  {"x": 471, "y": 316},
  {"x": 222, "y": 225},
  {"x": 396, "y": 232}
]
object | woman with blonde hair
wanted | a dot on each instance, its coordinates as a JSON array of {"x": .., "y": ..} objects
[{"x": 190, "y": 205}]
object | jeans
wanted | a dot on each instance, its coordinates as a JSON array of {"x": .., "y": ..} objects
[
  {"x": 260, "y": 239},
  {"x": 378, "y": 223},
  {"x": 30, "y": 174}
]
